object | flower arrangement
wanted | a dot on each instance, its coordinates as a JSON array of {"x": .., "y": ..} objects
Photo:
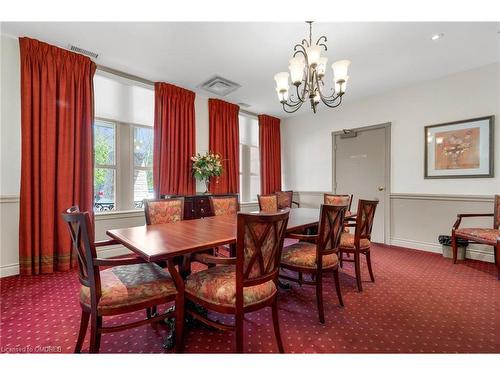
[{"x": 206, "y": 166}]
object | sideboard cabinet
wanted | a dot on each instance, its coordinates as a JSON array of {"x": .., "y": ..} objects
[{"x": 196, "y": 206}]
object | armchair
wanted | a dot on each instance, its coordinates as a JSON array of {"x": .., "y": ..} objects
[
  {"x": 485, "y": 236},
  {"x": 125, "y": 286}
]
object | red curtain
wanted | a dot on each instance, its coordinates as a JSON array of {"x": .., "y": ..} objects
[
  {"x": 270, "y": 154},
  {"x": 56, "y": 152},
  {"x": 174, "y": 140},
  {"x": 224, "y": 140}
]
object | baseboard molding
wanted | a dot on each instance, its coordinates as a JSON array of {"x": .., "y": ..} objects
[
  {"x": 9, "y": 270},
  {"x": 107, "y": 252},
  {"x": 470, "y": 253}
]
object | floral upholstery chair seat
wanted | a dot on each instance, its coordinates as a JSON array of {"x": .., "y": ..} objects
[
  {"x": 129, "y": 285},
  {"x": 485, "y": 235},
  {"x": 217, "y": 285},
  {"x": 303, "y": 254},
  {"x": 347, "y": 242}
]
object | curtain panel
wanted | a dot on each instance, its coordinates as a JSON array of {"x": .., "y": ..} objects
[
  {"x": 270, "y": 154},
  {"x": 174, "y": 140},
  {"x": 224, "y": 140},
  {"x": 57, "y": 108}
]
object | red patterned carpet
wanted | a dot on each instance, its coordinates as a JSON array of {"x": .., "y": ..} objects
[{"x": 420, "y": 303}]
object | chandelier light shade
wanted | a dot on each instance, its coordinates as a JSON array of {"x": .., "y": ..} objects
[{"x": 307, "y": 70}]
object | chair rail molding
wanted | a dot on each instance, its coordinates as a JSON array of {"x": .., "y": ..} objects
[{"x": 409, "y": 217}]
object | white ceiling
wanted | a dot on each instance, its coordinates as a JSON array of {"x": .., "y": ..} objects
[{"x": 384, "y": 55}]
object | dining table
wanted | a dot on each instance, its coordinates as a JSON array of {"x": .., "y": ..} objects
[{"x": 164, "y": 242}]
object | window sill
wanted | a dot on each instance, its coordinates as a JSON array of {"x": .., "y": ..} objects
[{"x": 109, "y": 215}]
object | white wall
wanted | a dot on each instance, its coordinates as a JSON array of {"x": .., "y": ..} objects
[{"x": 307, "y": 143}]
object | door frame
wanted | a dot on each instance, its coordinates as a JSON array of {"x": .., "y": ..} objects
[{"x": 387, "y": 191}]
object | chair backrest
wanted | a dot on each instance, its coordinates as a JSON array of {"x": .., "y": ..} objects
[
  {"x": 81, "y": 231},
  {"x": 338, "y": 200},
  {"x": 284, "y": 199},
  {"x": 331, "y": 226},
  {"x": 259, "y": 243},
  {"x": 163, "y": 211},
  {"x": 496, "y": 215},
  {"x": 364, "y": 220},
  {"x": 268, "y": 202},
  {"x": 224, "y": 204}
]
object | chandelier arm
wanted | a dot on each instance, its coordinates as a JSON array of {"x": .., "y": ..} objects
[
  {"x": 324, "y": 98},
  {"x": 331, "y": 104},
  {"x": 294, "y": 108},
  {"x": 318, "y": 42}
]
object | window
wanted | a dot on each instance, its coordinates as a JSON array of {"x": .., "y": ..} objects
[
  {"x": 123, "y": 143},
  {"x": 249, "y": 158},
  {"x": 104, "y": 165},
  {"x": 143, "y": 165}
]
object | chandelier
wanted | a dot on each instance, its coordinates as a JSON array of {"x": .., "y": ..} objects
[{"x": 307, "y": 70}]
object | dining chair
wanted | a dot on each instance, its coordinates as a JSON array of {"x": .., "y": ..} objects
[
  {"x": 341, "y": 200},
  {"x": 268, "y": 202},
  {"x": 338, "y": 199},
  {"x": 317, "y": 254},
  {"x": 222, "y": 205},
  {"x": 485, "y": 236},
  {"x": 247, "y": 282},
  {"x": 125, "y": 286},
  {"x": 163, "y": 211},
  {"x": 359, "y": 242},
  {"x": 285, "y": 199}
]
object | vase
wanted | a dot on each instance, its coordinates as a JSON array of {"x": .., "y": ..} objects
[{"x": 207, "y": 184}]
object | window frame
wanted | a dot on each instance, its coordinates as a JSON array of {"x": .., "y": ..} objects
[
  {"x": 133, "y": 167},
  {"x": 247, "y": 149},
  {"x": 124, "y": 156},
  {"x": 113, "y": 167}
]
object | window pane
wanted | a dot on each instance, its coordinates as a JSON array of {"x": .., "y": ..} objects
[
  {"x": 104, "y": 189},
  {"x": 254, "y": 160},
  {"x": 143, "y": 186},
  {"x": 143, "y": 147},
  {"x": 104, "y": 143},
  {"x": 254, "y": 188}
]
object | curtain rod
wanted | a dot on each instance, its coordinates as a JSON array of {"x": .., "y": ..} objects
[{"x": 146, "y": 81}]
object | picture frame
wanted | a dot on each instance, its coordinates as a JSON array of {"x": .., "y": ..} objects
[{"x": 460, "y": 149}]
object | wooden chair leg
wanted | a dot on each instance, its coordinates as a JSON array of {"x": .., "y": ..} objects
[
  {"x": 300, "y": 278},
  {"x": 95, "y": 333},
  {"x": 341, "y": 263},
  {"x": 357, "y": 267},
  {"x": 239, "y": 332},
  {"x": 454, "y": 247},
  {"x": 319, "y": 298},
  {"x": 337, "y": 286},
  {"x": 84, "y": 323},
  {"x": 369, "y": 263},
  {"x": 179, "y": 323},
  {"x": 497, "y": 259},
  {"x": 276, "y": 325}
]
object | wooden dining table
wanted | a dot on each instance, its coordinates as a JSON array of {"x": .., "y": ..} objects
[{"x": 164, "y": 242}]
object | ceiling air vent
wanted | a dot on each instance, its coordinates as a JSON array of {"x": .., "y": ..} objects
[
  {"x": 83, "y": 51},
  {"x": 219, "y": 86}
]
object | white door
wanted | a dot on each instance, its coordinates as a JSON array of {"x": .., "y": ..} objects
[{"x": 360, "y": 163}]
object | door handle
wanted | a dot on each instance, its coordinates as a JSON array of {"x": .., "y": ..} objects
[{"x": 380, "y": 188}]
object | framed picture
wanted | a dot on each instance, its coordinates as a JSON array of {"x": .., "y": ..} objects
[{"x": 460, "y": 149}]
